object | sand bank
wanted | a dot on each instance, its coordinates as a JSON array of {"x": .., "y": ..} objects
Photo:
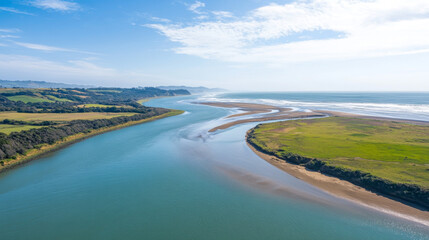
[{"x": 279, "y": 113}]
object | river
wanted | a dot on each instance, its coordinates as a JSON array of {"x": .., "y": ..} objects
[{"x": 170, "y": 179}]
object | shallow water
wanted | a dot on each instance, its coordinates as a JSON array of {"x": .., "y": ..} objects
[{"x": 170, "y": 179}]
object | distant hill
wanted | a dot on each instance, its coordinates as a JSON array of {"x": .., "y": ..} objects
[
  {"x": 38, "y": 84},
  {"x": 192, "y": 89}
]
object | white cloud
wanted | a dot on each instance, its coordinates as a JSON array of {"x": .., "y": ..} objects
[
  {"x": 222, "y": 14},
  {"x": 195, "y": 7},
  {"x": 13, "y": 10},
  {"x": 157, "y": 19},
  {"x": 366, "y": 29},
  {"x": 41, "y": 47},
  {"x": 58, "y": 5},
  {"x": 8, "y": 36},
  {"x": 48, "y": 48}
]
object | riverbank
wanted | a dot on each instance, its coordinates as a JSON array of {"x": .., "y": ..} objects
[
  {"x": 347, "y": 190},
  {"x": 46, "y": 149}
]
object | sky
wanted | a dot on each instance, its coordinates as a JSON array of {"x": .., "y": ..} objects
[{"x": 243, "y": 45}]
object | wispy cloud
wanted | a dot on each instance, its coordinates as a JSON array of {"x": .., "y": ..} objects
[
  {"x": 58, "y": 5},
  {"x": 8, "y": 36},
  {"x": 157, "y": 19},
  {"x": 48, "y": 48},
  {"x": 71, "y": 69},
  {"x": 13, "y": 10},
  {"x": 13, "y": 30},
  {"x": 268, "y": 34},
  {"x": 222, "y": 14},
  {"x": 195, "y": 7},
  {"x": 41, "y": 47},
  {"x": 75, "y": 71}
]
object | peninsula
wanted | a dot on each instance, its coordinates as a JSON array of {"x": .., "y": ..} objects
[{"x": 378, "y": 162}]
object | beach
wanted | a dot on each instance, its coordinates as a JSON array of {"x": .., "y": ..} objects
[{"x": 273, "y": 113}]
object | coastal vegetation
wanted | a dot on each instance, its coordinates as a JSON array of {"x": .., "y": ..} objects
[
  {"x": 61, "y": 117},
  {"x": 33, "y": 121},
  {"x": 383, "y": 156}
]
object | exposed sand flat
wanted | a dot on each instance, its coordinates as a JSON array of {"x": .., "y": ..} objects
[
  {"x": 248, "y": 113},
  {"x": 244, "y": 106},
  {"x": 251, "y": 109},
  {"x": 281, "y": 116}
]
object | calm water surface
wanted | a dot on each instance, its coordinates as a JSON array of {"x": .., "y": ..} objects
[{"x": 169, "y": 179}]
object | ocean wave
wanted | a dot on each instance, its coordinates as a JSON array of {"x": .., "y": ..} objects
[{"x": 408, "y": 111}]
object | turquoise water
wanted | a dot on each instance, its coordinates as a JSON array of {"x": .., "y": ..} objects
[{"x": 170, "y": 179}]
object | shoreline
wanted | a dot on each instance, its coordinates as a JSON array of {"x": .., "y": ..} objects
[
  {"x": 47, "y": 149},
  {"x": 346, "y": 190},
  {"x": 253, "y": 108},
  {"x": 332, "y": 185}
]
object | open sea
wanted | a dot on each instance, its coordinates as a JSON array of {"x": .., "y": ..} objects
[{"x": 408, "y": 105}]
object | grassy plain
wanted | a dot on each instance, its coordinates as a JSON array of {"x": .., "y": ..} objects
[
  {"x": 7, "y": 128},
  {"x": 28, "y": 99},
  {"x": 60, "y": 117},
  {"x": 58, "y": 99},
  {"x": 102, "y": 106},
  {"x": 394, "y": 151}
]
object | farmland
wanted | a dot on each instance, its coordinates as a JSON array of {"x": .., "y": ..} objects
[
  {"x": 8, "y": 128},
  {"x": 60, "y": 117},
  {"x": 28, "y": 99}
]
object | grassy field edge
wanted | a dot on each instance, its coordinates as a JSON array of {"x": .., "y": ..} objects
[
  {"x": 398, "y": 191},
  {"x": 46, "y": 149}
]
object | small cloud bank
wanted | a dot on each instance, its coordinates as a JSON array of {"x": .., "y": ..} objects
[{"x": 366, "y": 29}]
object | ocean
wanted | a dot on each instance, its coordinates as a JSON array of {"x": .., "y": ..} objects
[{"x": 407, "y": 105}]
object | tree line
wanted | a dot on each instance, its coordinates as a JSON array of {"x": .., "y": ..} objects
[{"x": 20, "y": 142}]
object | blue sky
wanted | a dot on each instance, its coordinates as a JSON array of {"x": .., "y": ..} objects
[{"x": 306, "y": 45}]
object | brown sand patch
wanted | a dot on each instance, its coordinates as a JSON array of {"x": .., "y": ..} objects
[{"x": 252, "y": 108}]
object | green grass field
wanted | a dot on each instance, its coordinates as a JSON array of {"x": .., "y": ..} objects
[
  {"x": 394, "y": 151},
  {"x": 6, "y": 128},
  {"x": 28, "y": 99},
  {"x": 105, "y": 90},
  {"x": 98, "y": 105},
  {"x": 53, "y": 98},
  {"x": 59, "y": 117}
]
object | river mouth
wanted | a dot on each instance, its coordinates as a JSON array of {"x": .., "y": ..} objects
[{"x": 171, "y": 179}]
